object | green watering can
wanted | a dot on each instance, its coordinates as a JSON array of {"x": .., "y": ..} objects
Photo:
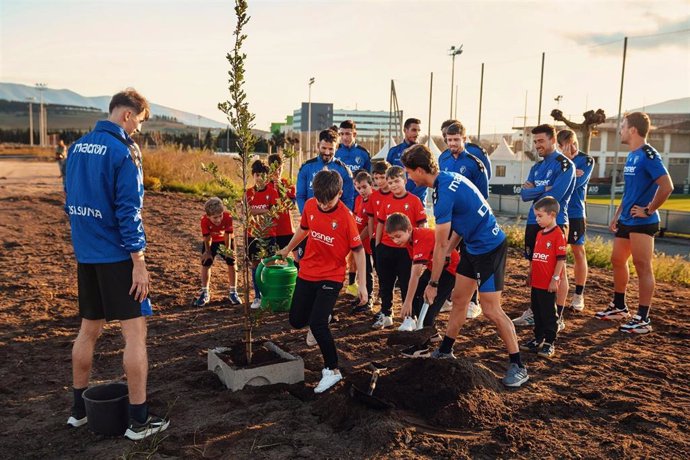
[{"x": 276, "y": 283}]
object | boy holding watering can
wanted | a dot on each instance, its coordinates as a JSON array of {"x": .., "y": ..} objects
[{"x": 332, "y": 235}]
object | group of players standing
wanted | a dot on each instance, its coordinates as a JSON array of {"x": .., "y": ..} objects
[{"x": 466, "y": 250}]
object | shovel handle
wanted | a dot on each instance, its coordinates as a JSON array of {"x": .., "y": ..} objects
[
  {"x": 372, "y": 383},
  {"x": 422, "y": 315}
]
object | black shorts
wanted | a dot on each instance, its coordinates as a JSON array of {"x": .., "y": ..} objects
[
  {"x": 577, "y": 231},
  {"x": 256, "y": 245},
  {"x": 624, "y": 231},
  {"x": 284, "y": 240},
  {"x": 531, "y": 231},
  {"x": 104, "y": 292},
  {"x": 488, "y": 269},
  {"x": 214, "y": 252}
]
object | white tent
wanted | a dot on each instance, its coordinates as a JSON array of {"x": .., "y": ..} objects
[
  {"x": 503, "y": 152},
  {"x": 381, "y": 155},
  {"x": 433, "y": 147}
]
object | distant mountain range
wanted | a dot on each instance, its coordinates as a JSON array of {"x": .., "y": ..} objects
[{"x": 19, "y": 93}]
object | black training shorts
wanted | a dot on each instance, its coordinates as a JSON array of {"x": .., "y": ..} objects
[
  {"x": 104, "y": 292},
  {"x": 215, "y": 247},
  {"x": 577, "y": 230},
  {"x": 624, "y": 231},
  {"x": 488, "y": 269}
]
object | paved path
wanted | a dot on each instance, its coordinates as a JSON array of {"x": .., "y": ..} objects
[
  {"x": 27, "y": 176},
  {"x": 666, "y": 245}
]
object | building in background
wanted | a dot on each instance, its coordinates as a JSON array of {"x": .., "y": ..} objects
[
  {"x": 670, "y": 135},
  {"x": 370, "y": 124}
]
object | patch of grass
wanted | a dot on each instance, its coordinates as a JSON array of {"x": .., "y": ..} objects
[
  {"x": 44, "y": 153},
  {"x": 674, "y": 202},
  {"x": 177, "y": 170},
  {"x": 671, "y": 269}
]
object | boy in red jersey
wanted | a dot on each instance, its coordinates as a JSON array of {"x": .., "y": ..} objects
[
  {"x": 378, "y": 173},
  {"x": 392, "y": 261},
  {"x": 548, "y": 261},
  {"x": 363, "y": 186},
  {"x": 216, "y": 228},
  {"x": 286, "y": 191},
  {"x": 419, "y": 243},
  {"x": 261, "y": 226},
  {"x": 332, "y": 235}
]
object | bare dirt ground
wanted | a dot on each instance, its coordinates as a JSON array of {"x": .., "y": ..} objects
[{"x": 605, "y": 395}]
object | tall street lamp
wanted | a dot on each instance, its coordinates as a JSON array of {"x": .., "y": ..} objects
[
  {"x": 453, "y": 51},
  {"x": 311, "y": 82},
  {"x": 42, "y": 122},
  {"x": 31, "y": 100}
]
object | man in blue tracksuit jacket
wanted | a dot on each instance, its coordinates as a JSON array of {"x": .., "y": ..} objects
[
  {"x": 355, "y": 157},
  {"x": 471, "y": 148},
  {"x": 577, "y": 219},
  {"x": 328, "y": 139},
  {"x": 411, "y": 131},
  {"x": 553, "y": 176},
  {"x": 104, "y": 196},
  {"x": 458, "y": 159}
]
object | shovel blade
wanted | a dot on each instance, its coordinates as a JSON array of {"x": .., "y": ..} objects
[{"x": 369, "y": 400}]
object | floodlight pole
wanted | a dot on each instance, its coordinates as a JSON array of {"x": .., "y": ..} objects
[
  {"x": 614, "y": 171},
  {"x": 453, "y": 51},
  {"x": 311, "y": 82}
]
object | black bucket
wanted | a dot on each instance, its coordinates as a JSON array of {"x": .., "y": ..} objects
[{"x": 107, "y": 408}]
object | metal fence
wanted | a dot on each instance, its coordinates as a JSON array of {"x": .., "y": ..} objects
[{"x": 671, "y": 221}]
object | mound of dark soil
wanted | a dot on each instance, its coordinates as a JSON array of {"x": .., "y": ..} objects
[{"x": 451, "y": 394}]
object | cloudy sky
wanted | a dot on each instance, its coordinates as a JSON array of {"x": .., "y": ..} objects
[{"x": 174, "y": 53}]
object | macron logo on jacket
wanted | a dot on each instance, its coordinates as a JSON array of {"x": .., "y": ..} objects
[{"x": 104, "y": 185}]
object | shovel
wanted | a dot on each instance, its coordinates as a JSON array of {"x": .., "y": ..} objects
[
  {"x": 367, "y": 397},
  {"x": 422, "y": 315}
]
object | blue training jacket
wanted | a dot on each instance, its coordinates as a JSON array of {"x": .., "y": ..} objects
[
  {"x": 480, "y": 153},
  {"x": 104, "y": 185},
  {"x": 576, "y": 206},
  {"x": 555, "y": 171},
  {"x": 393, "y": 158},
  {"x": 306, "y": 174},
  {"x": 469, "y": 166},
  {"x": 355, "y": 157}
]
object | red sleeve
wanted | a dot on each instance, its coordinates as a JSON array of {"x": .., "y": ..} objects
[
  {"x": 275, "y": 197},
  {"x": 420, "y": 213},
  {"x": 228, "y": 222},
  {"x": 560, "y": 245},
  {"x": 304, "y": 222},
  {"x": 205, "y": 230},
  {"x": 422, "y": 251},
  {"x": 352, "y": 232},
  {"x": 290, "y": 189},
  {"x": 380, "y": 215}
]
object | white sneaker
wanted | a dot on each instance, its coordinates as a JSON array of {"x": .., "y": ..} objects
[
  {"x": 328, "y": 379},
  {"x": 408, "y": 325},
  {"x": 76, "y": 421},
  {"x": 383, "y": 321},
  {"x": 256, "y": 304},
  {"x": 447, "y": 306},
  {"x": 526, "y": 319},
  {"x": 311, "y": 340},
  {"x": 578, "y": 302},
  {"x": 473, "y": 310},
  {"x": 561, "y": 324}
]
